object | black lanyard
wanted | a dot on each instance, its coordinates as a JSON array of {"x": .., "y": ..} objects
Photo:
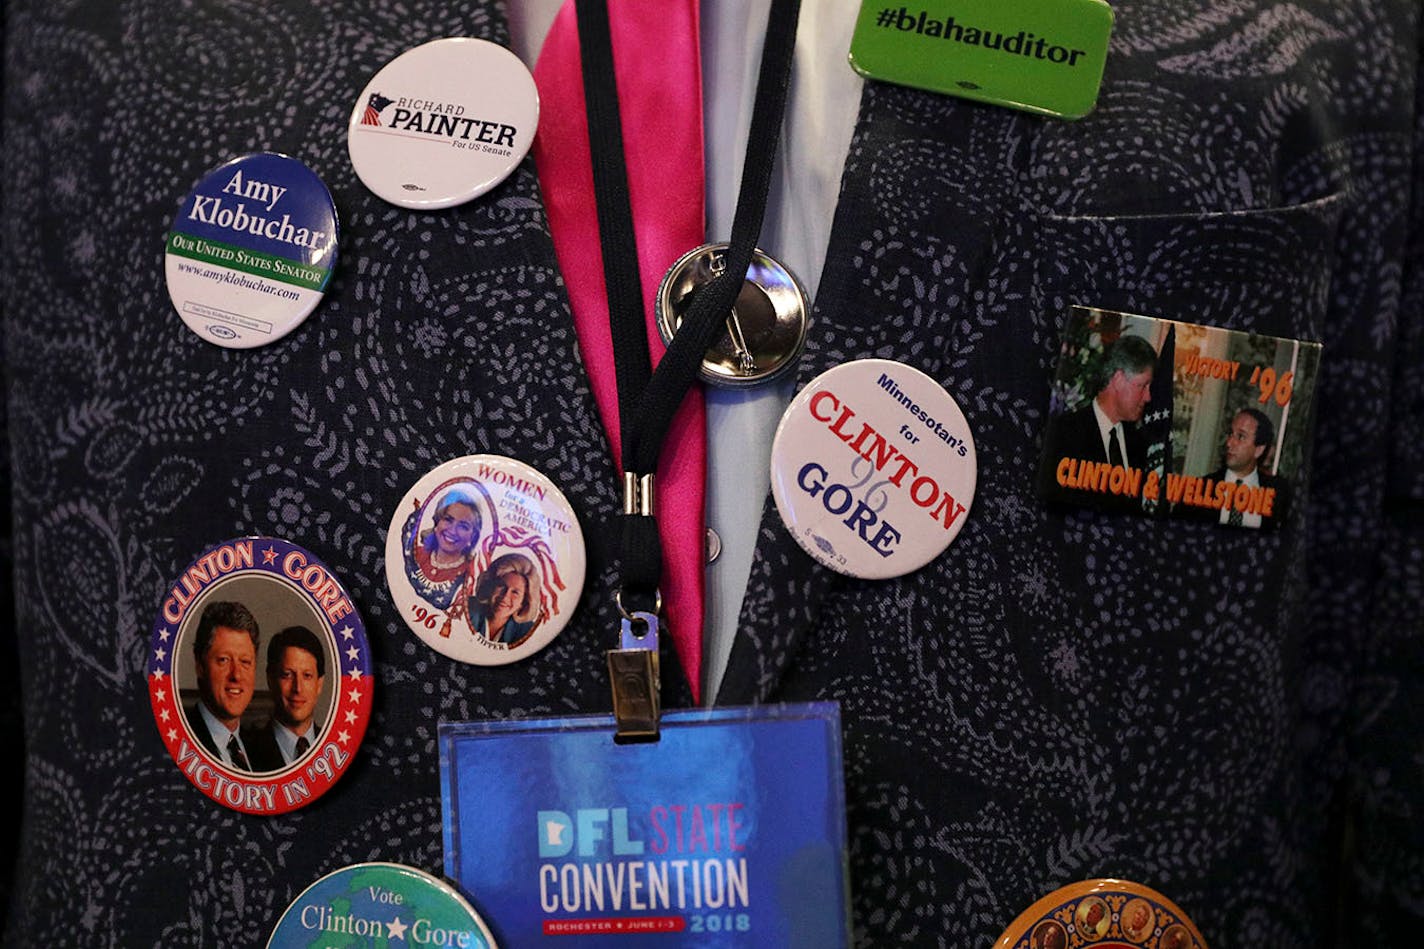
[{"x": 648, "y": 399}]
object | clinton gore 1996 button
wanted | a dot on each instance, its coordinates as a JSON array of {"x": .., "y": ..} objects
[
  {"x": 873, "y": 469},
  {"x": 260, "y": 675},
  {"x": 443, "y": 123},
  {"x": 375, "y": 904},
  {"x": 485, "y": 559},
  {"x": 251, "y": 250}
]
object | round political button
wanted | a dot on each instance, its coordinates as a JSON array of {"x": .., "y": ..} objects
[
  {"x": 873, "y": 468},
  {"x": 251, "y": 250},
  {"x": 443, "y": 123},
  {"x": 374, "y": 904},
  {"x": 765, "y": 330},
  {"x": 485, "y": 559},
  {"x": 1105, "y": 914},
  {"x": 260, "y": 675}
]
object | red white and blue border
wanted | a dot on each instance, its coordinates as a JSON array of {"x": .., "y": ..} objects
[{"x": 299, "y": 574}]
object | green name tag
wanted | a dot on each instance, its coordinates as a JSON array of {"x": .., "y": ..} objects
[{"x": 1043, "y": 56}]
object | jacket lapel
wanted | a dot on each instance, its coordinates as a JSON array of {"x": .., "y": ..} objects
[{"x": 904, "y": 259}]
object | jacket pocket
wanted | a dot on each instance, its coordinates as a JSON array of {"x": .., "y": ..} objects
[{"x": 1262, "y": 271}]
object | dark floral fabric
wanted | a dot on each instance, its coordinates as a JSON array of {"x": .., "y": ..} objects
[{"x": 1232, "y": 718}]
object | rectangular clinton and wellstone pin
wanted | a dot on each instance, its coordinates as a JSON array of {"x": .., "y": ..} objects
[{"x": 1163, "y": 418}]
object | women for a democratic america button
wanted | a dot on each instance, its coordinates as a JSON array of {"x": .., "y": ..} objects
[
  {"x": 1106, "y": 914},
  {"x": 251, "y": 250},
  {"x": 260, "y": 675},
  {"x": 443, "y": 123},
  {"x": 873, "y": 468},
  {"x": 485, "y": 559},
  {"x": 380, "y": 904}
]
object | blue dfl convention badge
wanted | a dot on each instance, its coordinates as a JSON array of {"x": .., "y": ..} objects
[{"x": 728, "y": 831}]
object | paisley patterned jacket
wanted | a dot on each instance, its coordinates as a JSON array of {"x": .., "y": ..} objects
[{"x": 1229, "y": 717}]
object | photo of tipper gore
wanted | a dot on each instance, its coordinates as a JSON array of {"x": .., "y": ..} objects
[
  {"x": 452, "y": 565},
  {"x": 252, "y": 664},
  {"x": 1165, "y": 418}
]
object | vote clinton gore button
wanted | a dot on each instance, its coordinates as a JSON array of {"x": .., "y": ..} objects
[
  {"x": 873, "y": 469},
  {"x": 1109, "y": 914},
  {"x": 374, "y": 904},
  {"x": 251, "y": 250},
  {"x": 260, "y": 675},
  {"x": 443, "y": 123},
  {"x": 485, "y": 559}
]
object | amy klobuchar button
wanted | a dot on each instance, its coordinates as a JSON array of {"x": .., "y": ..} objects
[
  {"x": 443, "y": 123},
  {"x": 251, "y": 250},
  {"x": 260, "y": 675},
  {"x": 485, "y": 559},
  {"x": 873, "y": 468},
  {"x": 380, "y": 904}
]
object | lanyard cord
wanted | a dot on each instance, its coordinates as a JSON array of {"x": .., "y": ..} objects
[
  {"x": 632, "y": 363},
  {"x": 647, "y": 400}
]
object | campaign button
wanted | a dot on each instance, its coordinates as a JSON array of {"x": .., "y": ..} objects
[
  {"x": 1042, "y": 56},
  {"x": 1104, "y": 912},
  {"x": 443, "y": 123},
  {"x": 765, "y": 330},
  {"x": 485, "y": 559},
  {"x": 374, "y": 904},
  {"x": 873, "y": 468},
  {"x": 251, "y": 250},
  {"x": 260, "y": 675}
]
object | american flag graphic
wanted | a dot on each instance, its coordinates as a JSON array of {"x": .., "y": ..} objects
[{"x": 374, "y": 105}]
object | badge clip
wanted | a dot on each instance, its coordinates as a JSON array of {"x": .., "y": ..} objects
[{"x": 633, "y": 671}]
